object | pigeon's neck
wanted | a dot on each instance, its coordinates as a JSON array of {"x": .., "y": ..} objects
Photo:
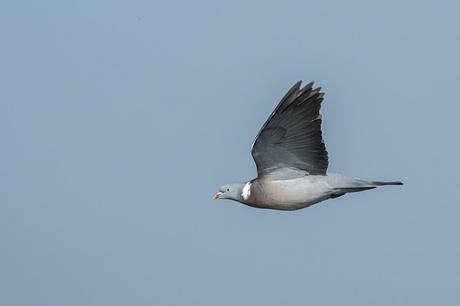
[
  {"x": 246, "y": 191},
  {"x": 241, "y": 192}
]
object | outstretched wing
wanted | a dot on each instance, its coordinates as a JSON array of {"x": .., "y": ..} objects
[{"x": 291, "y": 137}]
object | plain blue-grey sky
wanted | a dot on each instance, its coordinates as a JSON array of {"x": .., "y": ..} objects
[{"x": 120, "y": 119}]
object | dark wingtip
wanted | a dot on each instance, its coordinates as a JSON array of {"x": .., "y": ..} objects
[
  {"x": 297, "y": 85},
  {"x": 307, "y": 86}
]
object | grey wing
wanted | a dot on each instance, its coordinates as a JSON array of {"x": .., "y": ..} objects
[{"x": 291, "y": 137}]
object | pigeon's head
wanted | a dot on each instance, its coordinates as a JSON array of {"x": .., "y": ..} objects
[{"x": 231, "y": 192}]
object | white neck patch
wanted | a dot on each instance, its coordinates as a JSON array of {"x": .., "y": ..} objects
[{"x": 246, "y": 191}]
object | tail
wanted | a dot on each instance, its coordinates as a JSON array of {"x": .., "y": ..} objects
[{"x": 342, "y": 184}]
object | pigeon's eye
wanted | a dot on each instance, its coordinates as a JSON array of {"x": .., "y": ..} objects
[{"x": 228, "y": 189}]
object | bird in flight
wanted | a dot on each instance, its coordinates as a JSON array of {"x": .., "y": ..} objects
[{"x": 292, "y": 160}]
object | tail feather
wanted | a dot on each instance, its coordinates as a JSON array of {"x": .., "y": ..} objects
[{"x": 378, "y": 183}]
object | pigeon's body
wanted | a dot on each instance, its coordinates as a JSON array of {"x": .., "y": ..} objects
[
  {"x": 292, "y": 160},
  {"x": 301, "y": 192}
]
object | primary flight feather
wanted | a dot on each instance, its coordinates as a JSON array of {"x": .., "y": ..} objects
[{"x": 292, "y": 160}]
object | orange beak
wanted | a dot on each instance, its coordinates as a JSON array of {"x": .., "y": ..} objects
[{"x": 216, "y": 196}]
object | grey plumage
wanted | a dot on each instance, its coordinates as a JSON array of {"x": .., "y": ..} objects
[{"x": 292, "y": 159}]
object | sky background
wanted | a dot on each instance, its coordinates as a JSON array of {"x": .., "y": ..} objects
[{"x": 120, "y": 119}]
